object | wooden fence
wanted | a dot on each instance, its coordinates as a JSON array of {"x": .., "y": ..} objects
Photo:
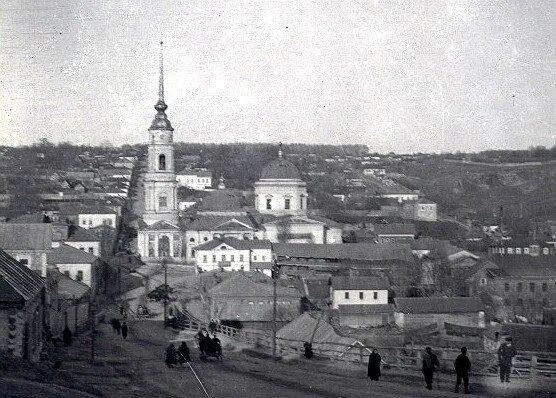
[{"x": 527, "y": 364}]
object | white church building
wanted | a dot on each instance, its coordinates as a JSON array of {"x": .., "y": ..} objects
[{"x": 280, "y": 213}]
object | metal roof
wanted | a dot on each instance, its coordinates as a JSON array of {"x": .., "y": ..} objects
[
  {"x": 25, "y": 236},
  {"x": 25, "y": 282},
  {"x": 438, "y": 305}
]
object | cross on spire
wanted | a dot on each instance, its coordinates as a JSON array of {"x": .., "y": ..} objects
[{"x": 161, "y": 121}]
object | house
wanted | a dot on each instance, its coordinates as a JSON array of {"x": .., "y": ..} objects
[
  {"x": 420, "y": 209},
  {"x": 76, "y": 264},
  {"x": 358, "y": 290},
  {"x": 518, "y": 247},
  {"x": 27, "y": 243},
  {"x": 73, "y": 308},
  {"x": 243, "y": 303},
  {"x": 365, "y": 315},
  {"x": 198, "y": 180},
  {"x": 374, "y": 172},
  {"x": 231, "y": 254},
  {"x": 22, "y": 309},
  {"x": 395, "y": 232},
  {"x": 526, "y": 284},
  {"x": 89, "y": 216},
  {"x": 416, "y": 312},
  {"x": 83, "y": 239},
  {"x": 296, "y": 259}
]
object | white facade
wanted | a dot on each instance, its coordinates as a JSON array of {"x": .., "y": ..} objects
[
  {"x": 401, "y": 197},
  {"x": 88, "y": 221},
  {"x": 281, "y": 197},
  {"x": 155, "y": 245},
  {"x": 355, "y": 297},
  {"x": 374, "y": 172},
  {"x": 33, "y": 259},
  {"x": 198, "y": 181},
  {"x": 228, "y": 258},
  {"x": 194, "y": 238}
]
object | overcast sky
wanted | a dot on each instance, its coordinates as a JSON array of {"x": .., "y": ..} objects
[{"x": 402, "y": 76}]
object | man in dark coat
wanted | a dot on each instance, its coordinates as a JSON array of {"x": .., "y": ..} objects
[
  {"x": 124, "y": 330},
  {"x": 463, "y": 367},
  {"x": 374, "y": 365},
  {"x": 183, "y": 353},
  {"x": 203, "y": 340},
  {"x": 430, "y": 362},
  {"x": 506, "y": 352},
  {"x": 67, "y": 336},
  {"x": 171, "y": 356},
  {"x": 117, "y": 326}
]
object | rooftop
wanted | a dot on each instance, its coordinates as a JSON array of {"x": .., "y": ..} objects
[
  {"x": 394, "y": 229},
  {"x": 359, "y": 283},
  {"x": 525, "y": 265},
  {"x": 280, "y": 169},
  {"x": 438, "y": 305},
  {"x": 25, "y": 236},
  {"x": 65, "y": 254},
  {"x": 240, "y": 285},
  {"x": 237, "y": 244},
  {"x": 347, "y": 251},
  {"x": 365, "y": 309},
  {"x": 17, "y": 282}
]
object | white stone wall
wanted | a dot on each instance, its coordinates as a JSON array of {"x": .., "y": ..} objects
[
  {"x": 36, "y": 260},
  {"x": 233, "y": 259},
  {"x": 277, "y": 191},
  {"x": 87, "y": 270},
  {"x": 194, "y": 181},
  {"x": 338, "y": 297}
]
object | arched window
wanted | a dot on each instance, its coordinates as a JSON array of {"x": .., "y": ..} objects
[
  {"x": 192, "y": 239},
  {"x": 161, "y": 162}
]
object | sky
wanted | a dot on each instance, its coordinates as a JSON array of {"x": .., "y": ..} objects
[{"x": 403, "y": 76}]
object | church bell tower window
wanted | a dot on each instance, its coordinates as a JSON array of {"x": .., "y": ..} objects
[
  {"x": 162, "y": 162},
  {"x": 269, "y": 204},
  {"x": 162, "y": 201},
  {"x": 287, "y": 204}
]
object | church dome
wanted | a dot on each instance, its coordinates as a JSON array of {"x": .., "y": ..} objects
[{"x": 280, "y": 169}]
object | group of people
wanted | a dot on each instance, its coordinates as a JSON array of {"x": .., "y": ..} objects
[
  {"x": 208, "y": 344},
  {"x": 462, "y": 365},
  {"x": 118, "y": 327},
  {"x": 177, "y": 356}
]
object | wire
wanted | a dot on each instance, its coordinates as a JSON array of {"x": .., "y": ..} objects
[{"x": 195, "y": 373}]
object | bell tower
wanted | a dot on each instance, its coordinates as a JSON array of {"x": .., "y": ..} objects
[{"x": 160, "y": 185}]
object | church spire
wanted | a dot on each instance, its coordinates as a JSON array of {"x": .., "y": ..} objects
[{"x": 161, "y": 121}]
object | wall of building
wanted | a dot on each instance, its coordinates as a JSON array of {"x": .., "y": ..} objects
[
  {"x": 339, "y": 297},
  {"x": 95, "y": 220},
  {"x": 413, "y": 321},
  {"x": 36, "y": 260},
  {"x": 193, "y": 181},
  {"x": 89, "y": 277},
  {"x": 363, "y": 320},
  {"x": 231, "y": 259},
  {"x": 278, "y": 191}
]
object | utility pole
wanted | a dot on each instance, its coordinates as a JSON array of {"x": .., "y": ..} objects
[
  {"x": 76, "y": 305},
  {"x": 274, "y": 298},
  {"x": 93, "y": 330},
  {"x": 165, "y": 265}
]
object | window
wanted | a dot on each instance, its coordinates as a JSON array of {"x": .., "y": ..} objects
[
  {"x": 545, "y": 250},
  {"x": 79, "y": 276},
  {"x": 287, "y": 204},
  {"x": 223, "y": 257},
  {"x": 520, "y": 301},
  {"x": 82, "y": 248},
  {"x": 109, "y": 221},
  {"x": 214, "y": 258},
  {"x": 192, "y": 239},
  {"x": 361, "y": 295},
  {"x": 263, "y": 258},
  {"x": 483, "y": 281},
  {"x": 91, "y": 250},
  {"x": 84, "y": 222},
  {"x": 241, "y": 257},
  {"x": 517, "y": 250},
  {"x": 90, "y": 221},
  {"x": 375, "y": 295},
  {"x": 346, "y": 295},
  {"x": 301, "y": 201},
  {"x": 544, "y": 287},
  {"x": 232, "y": 258},
  {"x": 506, "y": 287},
  {"x": 510, "y": 250},
  {"x": 205, "y": 239},
  {"x": 24, "y": 261},
  {"x": 66, "y": 273},
  {"x": 269, "y": 204},
  {"x": 205, "y": 258},
  {"x": 531, "y": 287},
  {"x": 519, "y": 287},
  {"x": 162, "y": 162},
  {"x": 162, "y": 201}
]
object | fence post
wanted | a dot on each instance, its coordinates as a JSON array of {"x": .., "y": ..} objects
[
  {"x": 360, "y": 354},
  {"x": 419, "y": 359},
  {"x": 534, "y": 367}
]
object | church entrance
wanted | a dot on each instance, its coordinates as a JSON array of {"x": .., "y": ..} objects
[{"x": 163, "y": 246}]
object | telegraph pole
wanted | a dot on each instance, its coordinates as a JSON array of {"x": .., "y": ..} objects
[
  {"x": 76, "y": 305},
  {"x": 274, "y": 298},
  {"x": 165, "y": 265},
  {"x": 93, "y": 330}
]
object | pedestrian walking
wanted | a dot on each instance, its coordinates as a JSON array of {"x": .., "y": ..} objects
[
  {"x": 171, "y": 356},
  {"x": 67, "y": 336},
  {"x": 124, "y": 330},
  {"x": 117, "y": 326},
  {"x": 430, "y": 363},
  {"x": 506, "y": 352},
  {"x": 462, "y": 364},
  {"x": 183, "y": 353},
  {"x": 374, "y": 365},
  {"x": 113, "y": 323}
]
